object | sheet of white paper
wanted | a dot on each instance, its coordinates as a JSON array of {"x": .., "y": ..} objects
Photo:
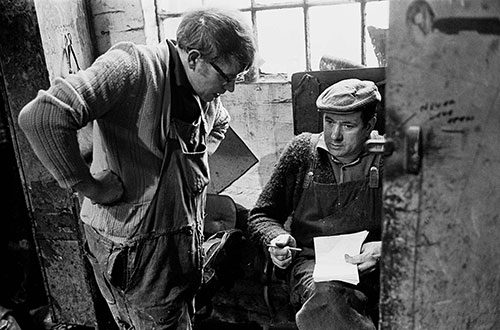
[{"x": 330, "y": 257}]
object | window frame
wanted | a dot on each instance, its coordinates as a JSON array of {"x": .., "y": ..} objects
[{"x": 256, "y": 7}]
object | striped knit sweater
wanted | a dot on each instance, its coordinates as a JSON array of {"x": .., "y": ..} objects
[{"x": 126, "y": 92}]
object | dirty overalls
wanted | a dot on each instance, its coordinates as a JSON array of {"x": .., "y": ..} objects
[
  {"x": 150, "y": 280},
  {"x": 330, "y": 209}
]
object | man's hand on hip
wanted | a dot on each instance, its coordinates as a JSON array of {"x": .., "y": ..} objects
[{"x": 104, "y": 187}]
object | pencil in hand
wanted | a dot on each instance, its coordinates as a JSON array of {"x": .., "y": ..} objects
[{"x": 282, "y": 247}]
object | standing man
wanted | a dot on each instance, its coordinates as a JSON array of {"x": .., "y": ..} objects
[
  {"x": 157, "y": 116},
  {"x": 326, "y": 184}
]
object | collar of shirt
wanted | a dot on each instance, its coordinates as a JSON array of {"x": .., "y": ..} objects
[
  {"x": 181, "y": 79},
  {"x": 346, "y": 172},
  {"x": 185, "y": 91}
]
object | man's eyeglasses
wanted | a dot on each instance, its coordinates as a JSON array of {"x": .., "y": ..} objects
[{"x": 224, "y": 76}]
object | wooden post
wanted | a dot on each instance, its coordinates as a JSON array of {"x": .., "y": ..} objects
[{"x": 52, "y": 209}]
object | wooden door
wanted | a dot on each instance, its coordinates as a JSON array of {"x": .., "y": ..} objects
[{"x": 441, "y": 262}]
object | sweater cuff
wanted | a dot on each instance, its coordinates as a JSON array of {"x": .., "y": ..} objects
[{"x": 271, "y": 233}]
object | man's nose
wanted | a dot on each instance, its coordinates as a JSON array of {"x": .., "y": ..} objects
[{"x": 337, "y": 132}]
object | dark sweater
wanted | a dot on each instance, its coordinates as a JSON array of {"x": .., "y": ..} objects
[{"x": 282, "y": 193}]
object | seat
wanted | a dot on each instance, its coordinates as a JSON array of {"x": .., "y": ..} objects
[
  {"x": 221, "y": 214},
  {"x": 222, "y": 249}
]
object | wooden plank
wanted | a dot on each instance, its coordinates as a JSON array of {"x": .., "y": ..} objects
[
  {"x": 230, "y": 162},
  {"x": 51, "y": 208}
]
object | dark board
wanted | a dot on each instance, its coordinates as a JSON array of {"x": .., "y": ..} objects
[{"x": 307, "y": 86}]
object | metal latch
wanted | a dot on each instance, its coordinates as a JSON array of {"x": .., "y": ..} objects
[
  {"x": 412, "y": 160},
  {"x": 413, "y": 150},
  {"x": 379, "y": 144}
]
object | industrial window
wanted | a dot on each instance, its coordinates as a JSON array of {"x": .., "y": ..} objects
[{"x": 294, "y": 36}]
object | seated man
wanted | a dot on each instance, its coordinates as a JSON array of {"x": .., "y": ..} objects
[{"x": 326, "y": 184}]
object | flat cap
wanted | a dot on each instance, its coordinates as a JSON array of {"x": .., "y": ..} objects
[{"x": 348, "y": 96}]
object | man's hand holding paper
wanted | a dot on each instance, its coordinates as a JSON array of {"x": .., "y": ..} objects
[
  {"x": 332, "y": 254},
  {"x": 368, "y": 258}
]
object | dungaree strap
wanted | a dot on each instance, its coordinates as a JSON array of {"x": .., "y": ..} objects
[
  {"x": 312, "y": 163},
  {"x": 373, "y": 174}
]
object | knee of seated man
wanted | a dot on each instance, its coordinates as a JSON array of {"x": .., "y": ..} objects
[{"x": 337, "y": 292}]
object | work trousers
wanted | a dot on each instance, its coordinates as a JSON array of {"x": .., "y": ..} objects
[
  {"x": 130, "y": 280},
  {"x": 333, "y": 305}
]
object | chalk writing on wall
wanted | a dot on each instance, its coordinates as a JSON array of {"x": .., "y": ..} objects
[
  {"x": 430, "y": 106},
  {"x": 460, "y": 119},
  {"x": 440, "y": 114},
  {"x": 443, "y": 110}
]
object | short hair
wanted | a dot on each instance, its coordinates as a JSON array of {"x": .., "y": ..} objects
[
  {"x": 218, "y": 34},
  {"x": 368, "y": 111}
]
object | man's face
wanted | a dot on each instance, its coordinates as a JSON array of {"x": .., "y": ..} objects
[
  {"x": 209, "y": 83},
  {"x": 345, "y": 135}
]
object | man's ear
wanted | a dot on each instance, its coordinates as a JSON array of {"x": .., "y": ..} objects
[
  {"x": 193, "y": 56},
  {"x": 371, "y": 123}
]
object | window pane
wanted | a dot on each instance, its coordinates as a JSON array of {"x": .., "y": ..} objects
[
  {"x": 229, "y": 3},
  {"x": 377, "y": 14},
  {"x": 331, "y": 1},
  {"x": 281, "y": 40},
  {"x": 170, "y": 25},
  {"x": 377, "y": 24},
  {"x": 335, "y": 31},
  {"x": 277, "y": 2},
  {"x": 175, "y": 6}
]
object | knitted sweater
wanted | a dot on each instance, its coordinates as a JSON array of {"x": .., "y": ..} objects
[
  {"x": 127, "y": 93},
  {"x": 282, "y": 193}
]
